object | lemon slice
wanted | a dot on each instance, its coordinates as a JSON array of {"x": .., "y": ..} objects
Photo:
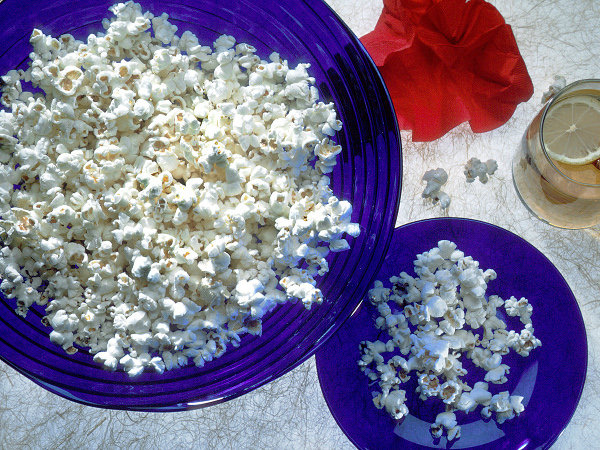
[{"x": 572, "y": 130}]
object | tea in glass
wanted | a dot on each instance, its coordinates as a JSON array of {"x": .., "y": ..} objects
[{"x": 557, "y": 169}]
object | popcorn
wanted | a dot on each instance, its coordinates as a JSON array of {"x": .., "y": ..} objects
[
  {"x": 435, "y": 179},
  {"x": 505, "y": 406},
  {"x": 477, "y": 169},
  {"x": 520, "y": 308},
  {"x": 445, "y": 421},
  {"x": 559, "y": 83},
  {"x": 448, "y": 294},
  {"x": 393, "y": 403},
  {"x": 168, "y": 192}
]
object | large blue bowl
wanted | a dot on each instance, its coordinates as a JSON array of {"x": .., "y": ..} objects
[{"x": 368, "y": 174}]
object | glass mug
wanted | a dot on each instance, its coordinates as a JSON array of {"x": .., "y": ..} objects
[{"x": 551, "y": 171}]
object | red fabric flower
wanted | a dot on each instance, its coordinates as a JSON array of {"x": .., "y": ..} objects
[{"x": 446, "y": 62}]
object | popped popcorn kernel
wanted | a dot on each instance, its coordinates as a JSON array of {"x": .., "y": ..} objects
[
  {"x": 483, "y": 170},
  {"x": 435, "y": 179}
]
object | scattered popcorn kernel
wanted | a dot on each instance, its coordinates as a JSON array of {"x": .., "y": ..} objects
[
  {"x": 435, "y": 179},
  {"x": 482, "y": 170}
]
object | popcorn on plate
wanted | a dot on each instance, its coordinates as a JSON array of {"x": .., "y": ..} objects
[{"x": 432, "y": 321}]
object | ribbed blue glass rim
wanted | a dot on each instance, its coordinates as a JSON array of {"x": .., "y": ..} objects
[{"x": 368, "y": 174}]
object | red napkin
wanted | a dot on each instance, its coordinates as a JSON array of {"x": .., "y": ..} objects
[{"x": 446, "y": 62}]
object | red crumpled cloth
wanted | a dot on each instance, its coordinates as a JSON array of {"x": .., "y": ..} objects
[{"x": 448, "y": 61}]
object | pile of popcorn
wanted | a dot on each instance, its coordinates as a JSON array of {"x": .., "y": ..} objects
[
  {"x": 161, "y": 196},
  {"x": 431, "y": 319}
]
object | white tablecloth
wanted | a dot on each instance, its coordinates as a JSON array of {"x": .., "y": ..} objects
[{"x": 556, "y": 37}]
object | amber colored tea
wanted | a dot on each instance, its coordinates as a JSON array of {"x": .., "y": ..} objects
[{"x": 556, "y": 170}]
